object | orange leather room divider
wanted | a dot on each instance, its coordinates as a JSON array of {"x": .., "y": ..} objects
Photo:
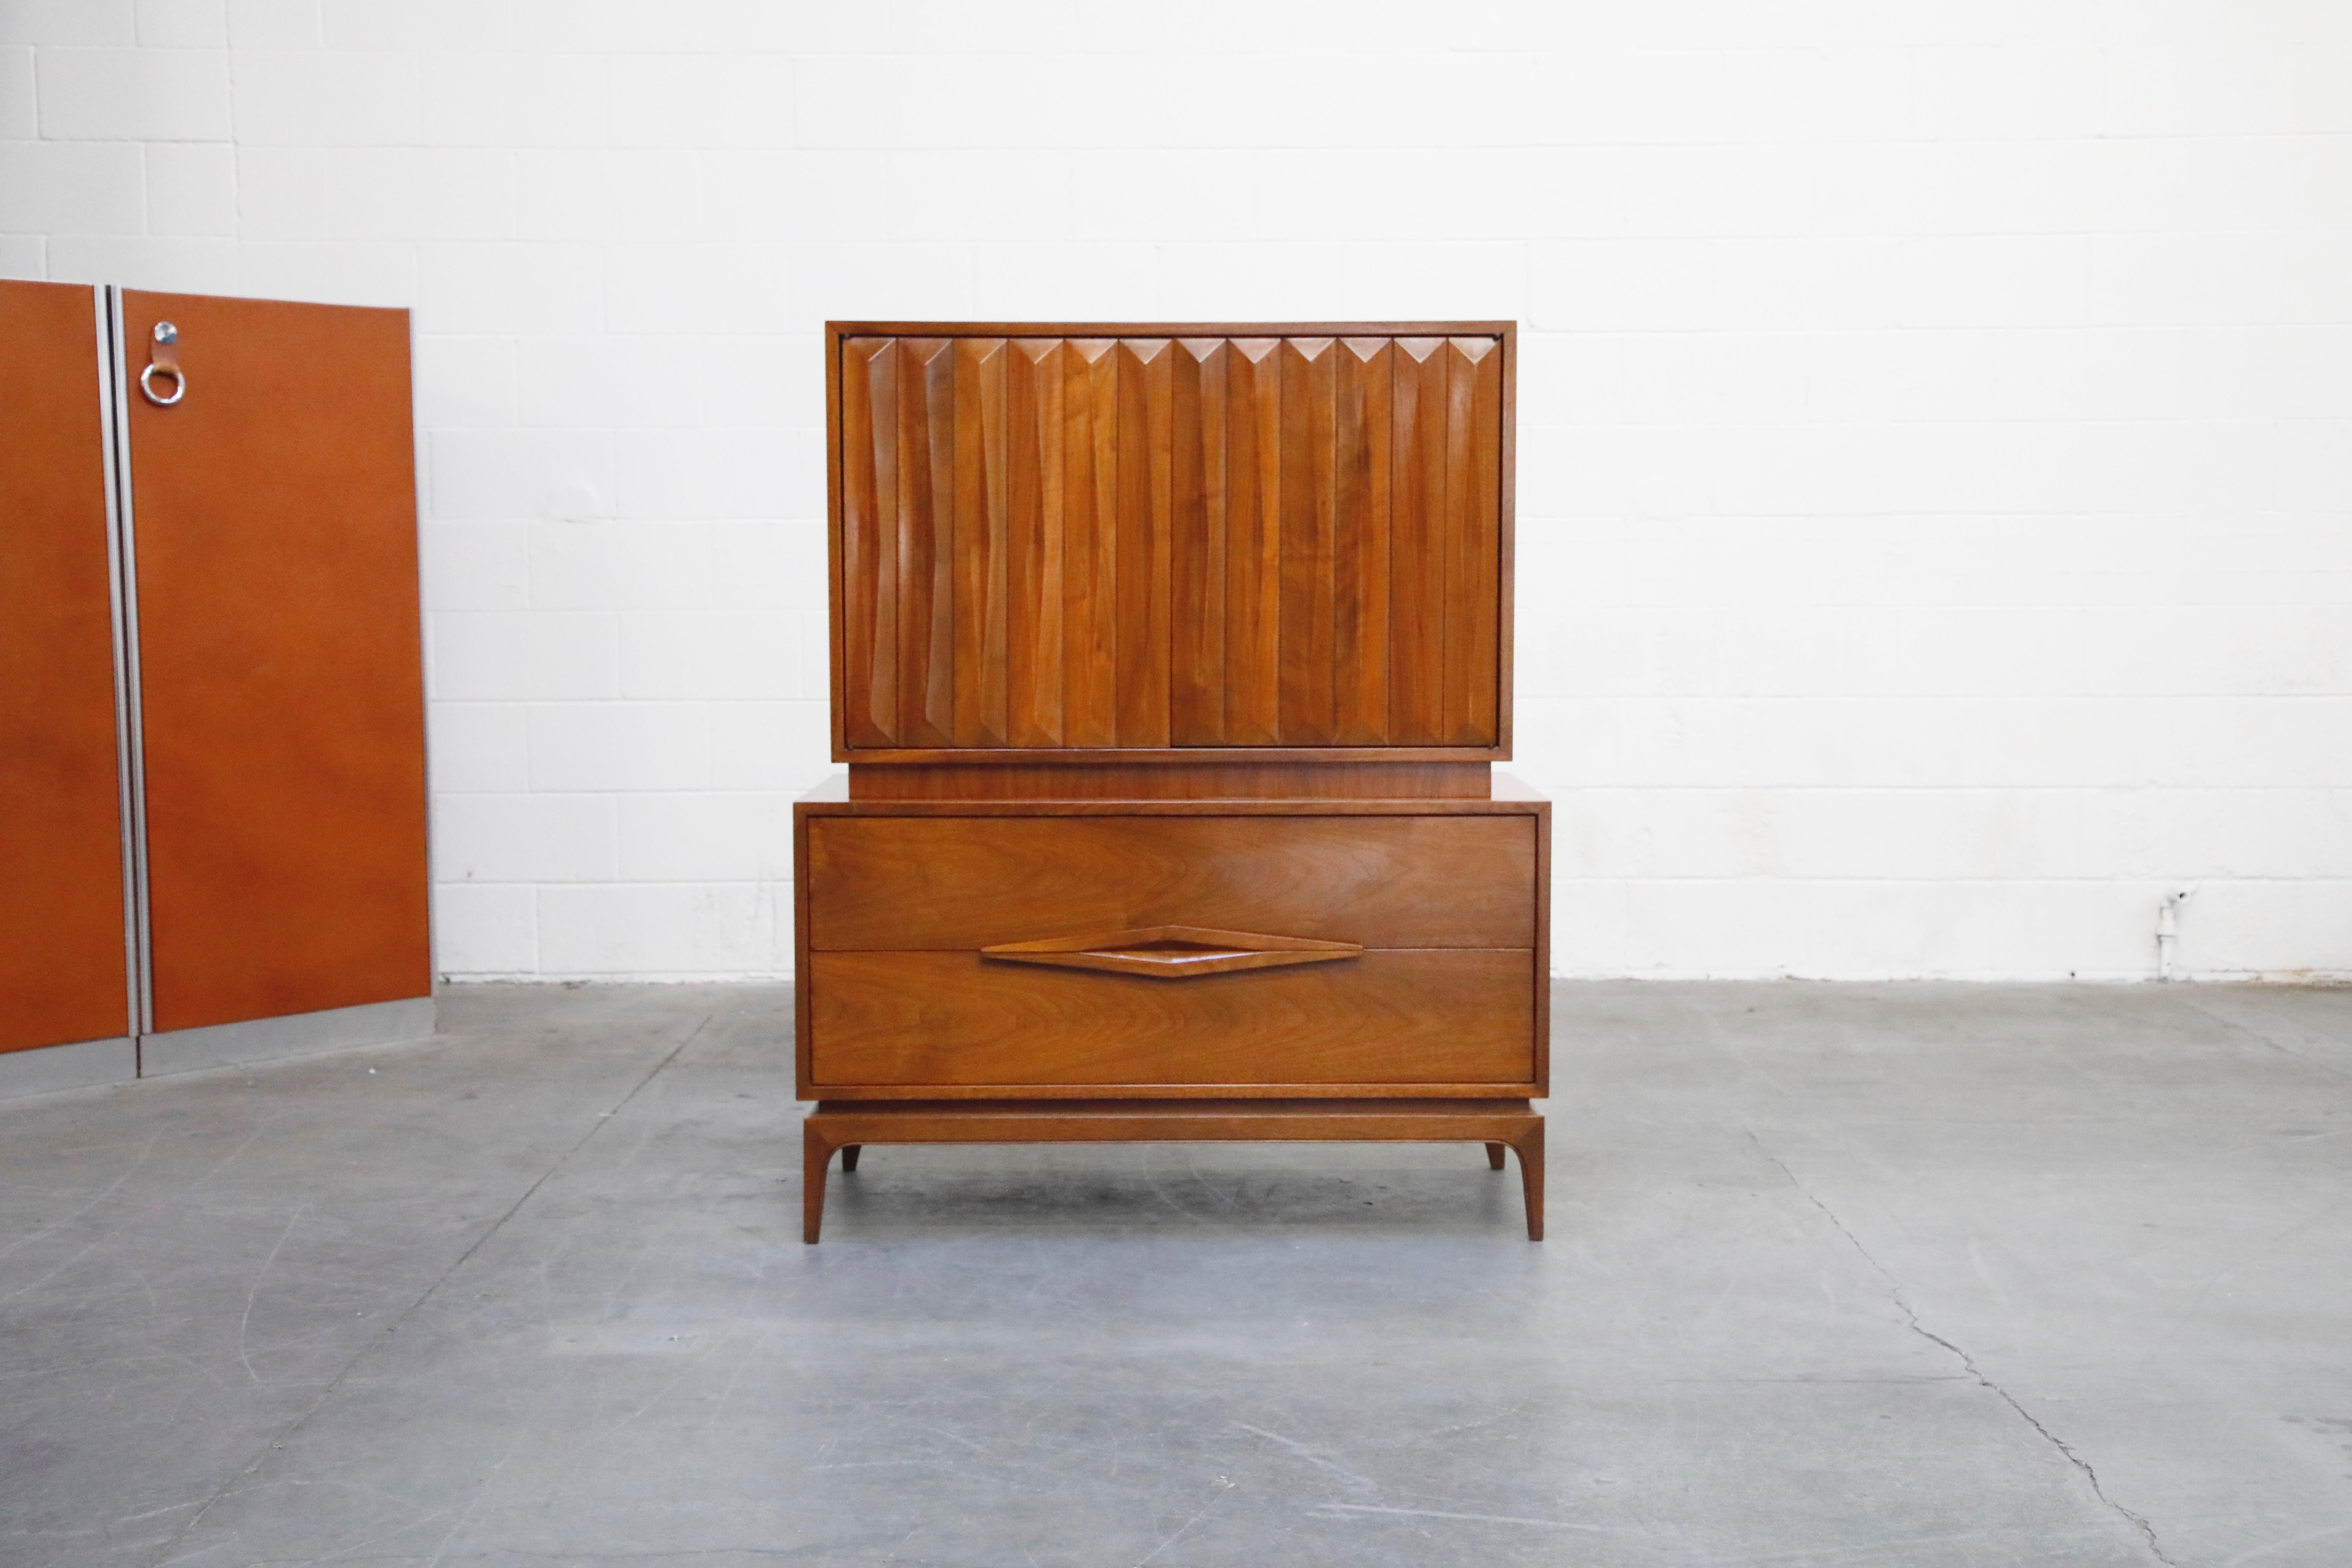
[
  {"x": 281, "y": 694},
  {"x": 63, "y": 963}
]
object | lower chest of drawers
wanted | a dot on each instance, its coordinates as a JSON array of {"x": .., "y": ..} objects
[{"x": 900, "y": 1000}]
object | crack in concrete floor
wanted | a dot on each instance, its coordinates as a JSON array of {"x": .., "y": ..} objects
[{"x": 1902, "y": 1301}]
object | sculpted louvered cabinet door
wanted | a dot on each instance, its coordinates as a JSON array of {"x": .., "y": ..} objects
[
  {"x": 1169, "y": 662},
  {"x": 1055, "y": 542}
]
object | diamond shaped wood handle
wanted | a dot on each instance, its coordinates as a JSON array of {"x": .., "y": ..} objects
[{"x": 1173, "y": 953}]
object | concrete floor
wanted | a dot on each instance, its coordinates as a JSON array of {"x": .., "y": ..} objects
[{"x": 1841, "y": 1275}]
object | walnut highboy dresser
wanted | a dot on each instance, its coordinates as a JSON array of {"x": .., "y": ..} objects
[{"x": 1169, "y": 662}]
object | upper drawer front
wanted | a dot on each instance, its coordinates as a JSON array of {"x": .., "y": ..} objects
[
  {"x": 879, "y": 883},
  {"x": 1066, "y": 542}
]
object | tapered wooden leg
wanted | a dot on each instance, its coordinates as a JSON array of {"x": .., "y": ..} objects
[
  {"x": 1494, "y": 1156},
  {"x": 1530, "y": 1147},
  {"x": 849, "y": 1155},
  {"x": 815, "y": 1155}
]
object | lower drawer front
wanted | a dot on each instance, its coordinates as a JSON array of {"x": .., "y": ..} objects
[{"x": 1423, "y": 1016}]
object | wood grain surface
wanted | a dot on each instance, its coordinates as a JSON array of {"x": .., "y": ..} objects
[
  {"x": 1241, "y": 592},
  {"x": 1142, "y": 540},
  {"x": 62, "y": 957},
  {"x": 902, "y": 883},
  {"x": 281, "y": 674},
  {"x": 1172, "y": 781},
  {"x": 1460, "y": 1016}
]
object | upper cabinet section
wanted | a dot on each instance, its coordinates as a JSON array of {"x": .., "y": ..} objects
[{"x": 1171, "y": 539}]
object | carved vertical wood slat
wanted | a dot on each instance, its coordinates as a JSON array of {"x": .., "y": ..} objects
[
  {"x": 1360, "y": 606},
  {"x": 1461, "y": 493},
  {"x": 925, "y": 538},
  {"x": 1266, "y": 704},
  {"x": 1143, "y": 494},
  {"x": 1307, "y": 540},
  {"x": 1473, "y": 511},
  {"x": 1033, "y": 426},
  {"x": 1196, "y": 693},
  {"x": 939, "y": 661},
  {"x": 1089, "y": 544},
  {"x": 869, "y": 567},
  {"x": 1102, "y": 388},
  {"x": 1417, "y": 544},
  {"x": 981, "y": 543},
  {"x": 1253, "y": 543}
]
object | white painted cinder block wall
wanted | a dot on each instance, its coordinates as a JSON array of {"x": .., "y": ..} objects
[{"x": 1935, "y": 457}]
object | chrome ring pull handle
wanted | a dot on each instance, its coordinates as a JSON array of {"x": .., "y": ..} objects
[
  {"x": 179, "y": 383},
  {"x": 165, "y": 358}
]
